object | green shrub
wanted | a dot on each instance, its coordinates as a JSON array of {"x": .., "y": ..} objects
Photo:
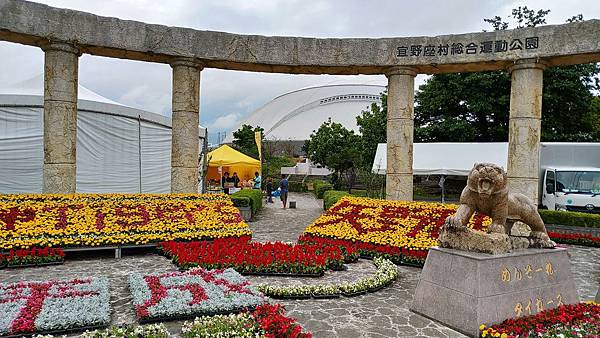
[
  {"x": 296, "y": 186},
  {"x": 330, "y": 197},
  {"x": 321, "y": 187},
  {"x": 580, "y": 219},
  {"x": 254, "y": 195},
  {"x": 240, "y": 202},
  {"x": 359, "y": 193}
]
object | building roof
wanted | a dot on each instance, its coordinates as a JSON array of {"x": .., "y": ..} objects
[{"x": 294, "y": 115}]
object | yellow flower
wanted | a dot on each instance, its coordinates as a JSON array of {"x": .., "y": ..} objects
[{"x": 108, "y": 219}]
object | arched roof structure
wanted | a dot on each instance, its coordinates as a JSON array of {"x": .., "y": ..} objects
[{"x": 294, "y": 115}]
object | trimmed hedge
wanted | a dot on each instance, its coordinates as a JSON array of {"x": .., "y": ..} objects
[
  {"x": 295, "y": 186},
  {"x": 240, "y": 202},
  {"x": 321, "y": 187},
  {"x": 580, "y": 219},
  {"x": 330, "y": 197},
  {"x": 254, "y": 196}
]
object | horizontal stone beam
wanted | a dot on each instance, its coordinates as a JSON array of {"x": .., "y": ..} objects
[{"x": 34, "y": 24}]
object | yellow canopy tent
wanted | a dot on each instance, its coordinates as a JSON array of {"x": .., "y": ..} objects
[{"x": 231, "y": 160}]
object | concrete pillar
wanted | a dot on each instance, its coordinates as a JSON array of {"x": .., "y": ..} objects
[
  {"x": 61, "y": 61},
  {"x": 525, "y": 127},
  {"x": 400, "y": 130},
  {"x": 185, "y": 120}
]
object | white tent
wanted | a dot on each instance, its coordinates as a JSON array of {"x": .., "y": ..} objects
[
  {"x": 447, "y": 158},
  {"x": 119, "y": 148}
]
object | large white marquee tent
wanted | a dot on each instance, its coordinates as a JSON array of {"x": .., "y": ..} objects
[
  {"x": 294, "y": 115},
  {"x": 119, "y": 148}
]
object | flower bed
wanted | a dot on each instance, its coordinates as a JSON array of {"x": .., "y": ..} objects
[
  {"x": 29, "y": 307},
  {"x": 157, "y": 330},
  {"x": 575, "y": 238},
  {"x": 32, "y": 257},
  {"x": 386, "y": 273},
  {"x": 401, "y": 231},
  {"x": 191, "y": 293},
  {"x": 574, "y": 320},
  {"x": 266, "y": 321},
  {"x": 249, "y": 257},
  {"x": 100, "y": 220}
]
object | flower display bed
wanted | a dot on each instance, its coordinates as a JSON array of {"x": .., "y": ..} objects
[
  {"x": 179, "y": 295},
  {"x": 21, "y": 258},
  {"x": 575, "y": 238},
  {"x": 249, "y": 257},
  {"x": 266, "y": 321},
  {"x": 157, "y": 330},
  {"x": 386, "y": 273},
  {"x": 401, "y": 231},
  {"x": 575, "y": 320},
  {"x": 104, "y": 220},
  {"x": 51, "y": 306}
]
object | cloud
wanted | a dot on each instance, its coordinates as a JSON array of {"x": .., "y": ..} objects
[{"x": 225, "y": 122}]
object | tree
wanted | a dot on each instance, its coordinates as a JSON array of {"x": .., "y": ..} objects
[
  {"x": 372, "y": 127},
  {"x": 475, "y": 106},
  {"x": 337, "y": 148},
  {"x": 244, "y": 141}
]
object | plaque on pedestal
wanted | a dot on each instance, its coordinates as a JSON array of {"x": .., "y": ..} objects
[{"x": 466, "y": 289}]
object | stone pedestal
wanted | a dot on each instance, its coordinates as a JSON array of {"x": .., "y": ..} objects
[
  {"x": 524, "y": 128},
  {"x": 464, "y": 289},
  {"x": 400, "y": 129}
]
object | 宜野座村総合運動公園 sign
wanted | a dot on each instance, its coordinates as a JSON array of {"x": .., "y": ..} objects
[{"x": 457, "y": 48}]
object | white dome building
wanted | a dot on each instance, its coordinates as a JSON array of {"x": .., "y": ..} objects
[
  {"x": 293, "y": 116},
  {"x": 119, "y": 148}
]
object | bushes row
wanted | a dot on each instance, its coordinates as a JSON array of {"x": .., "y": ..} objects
[
  {"x": 249, "y": 197},
  {"x": 580, "y": 219},
  {"x": 330, "y": 197},
  {"x": 321, "y": 187}
]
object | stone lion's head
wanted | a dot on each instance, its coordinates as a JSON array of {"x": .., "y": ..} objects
[{"x": 486, "y": 179}]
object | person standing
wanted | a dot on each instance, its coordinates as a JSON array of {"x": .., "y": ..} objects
[
  {"x": 269, "y": 190},
  {"x": 224, "y": 181},
  {"x": 283, "y": 186},
  {"x": 236, "y": 180},
  {"x": 257, "y": 181}
]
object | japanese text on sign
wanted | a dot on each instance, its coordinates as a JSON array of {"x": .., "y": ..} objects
[
  {"x": 532, "y": 307},
  {"x": 485, "y": 47},
  {"x": 509, "y": 274}
]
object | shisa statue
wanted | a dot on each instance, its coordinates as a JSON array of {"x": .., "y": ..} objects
[{"x": 486, "y": 192}]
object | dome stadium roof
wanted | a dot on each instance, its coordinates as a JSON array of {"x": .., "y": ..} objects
[{"x": 294, "y": 115}]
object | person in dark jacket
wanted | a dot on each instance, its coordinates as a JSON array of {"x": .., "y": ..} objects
[
  {"x": 283, "y": 185},
  {"x": 269, "y": 190},
  {"x": 236, "y": 180}
]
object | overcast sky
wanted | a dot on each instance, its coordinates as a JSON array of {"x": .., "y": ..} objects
[{"x": 228, "y": 96}]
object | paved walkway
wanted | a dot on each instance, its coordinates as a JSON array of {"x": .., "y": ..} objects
[
  {"x": 381, "y": 314},
  {"x": 274, "y": 223}
]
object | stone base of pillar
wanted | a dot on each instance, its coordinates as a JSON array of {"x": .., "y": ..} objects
[
  {"x": 59, "y": 178},
  {"x": 524, "y": 185},
  {"x": 184, "y": 180},
  {"x": 399, "y": 187}
]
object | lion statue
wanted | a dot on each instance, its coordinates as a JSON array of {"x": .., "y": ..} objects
[{"x": 486, "y": 192}]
